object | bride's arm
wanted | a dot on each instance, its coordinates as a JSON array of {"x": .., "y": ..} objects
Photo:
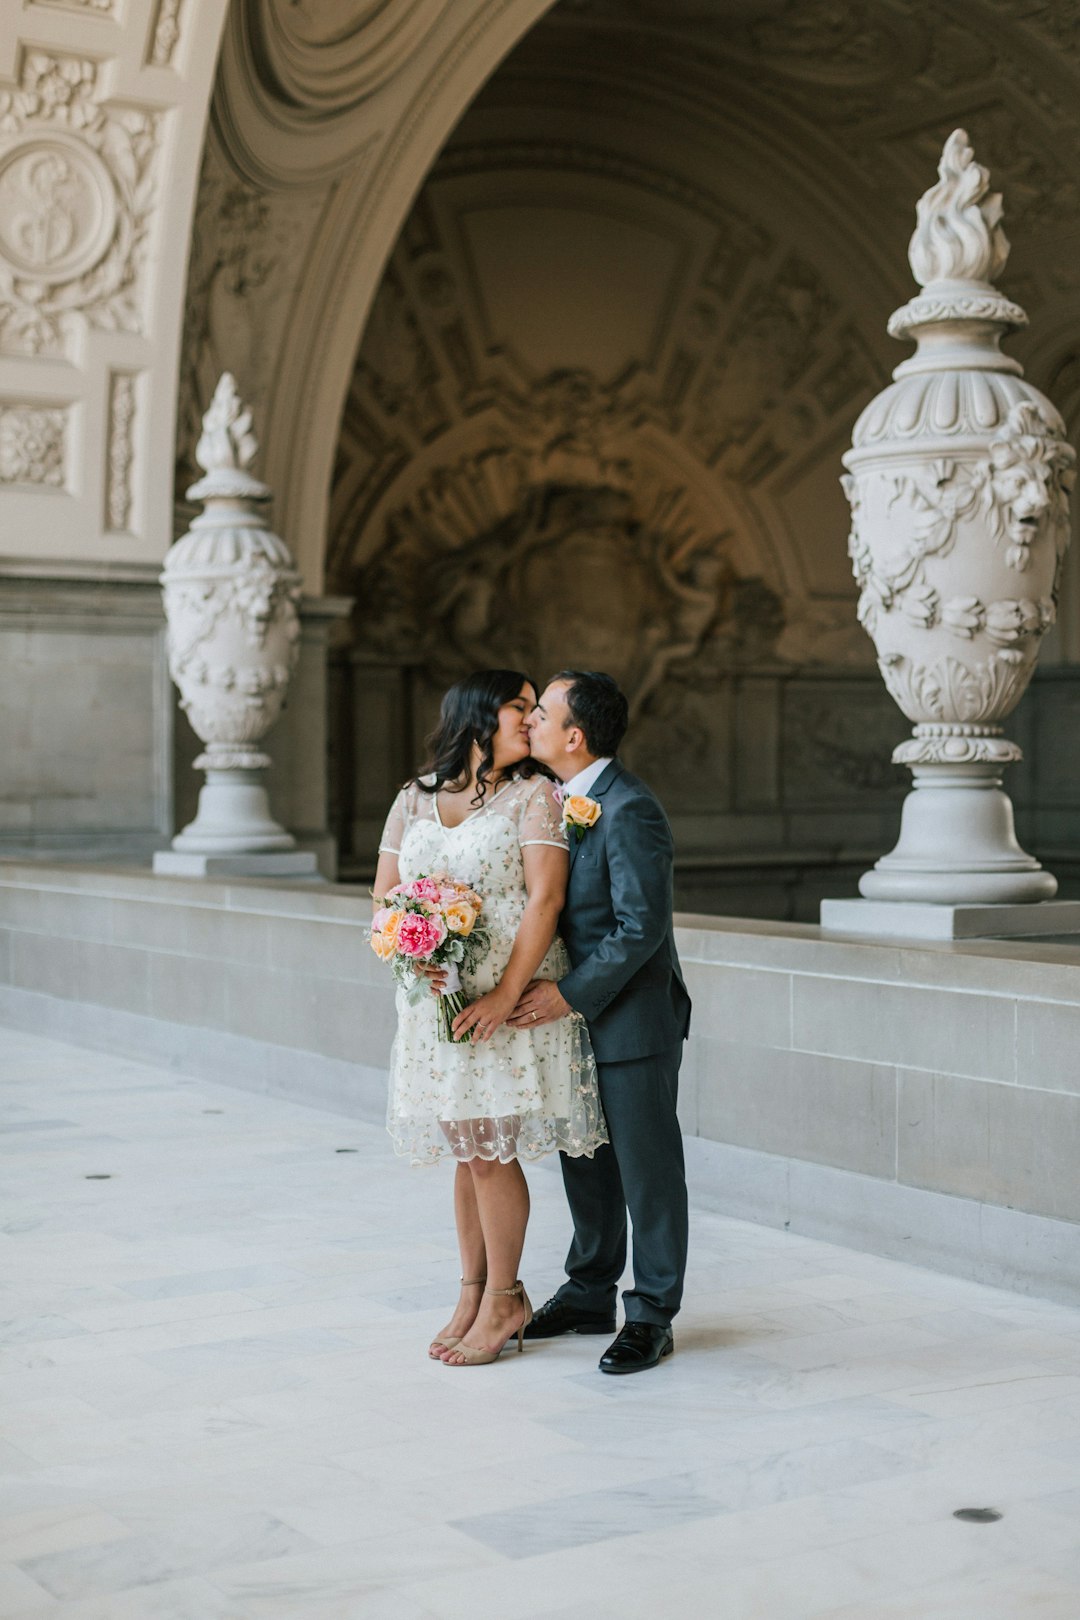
[
  {"x": 387, "y": 876},
  {"x": 547, "y": 868},
  {"x": 388, "y": 872}
]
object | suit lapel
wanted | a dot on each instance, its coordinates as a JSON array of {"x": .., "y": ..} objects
[
  {"x": 607, "y": 776},
  {"x": 605, "y": 779}
]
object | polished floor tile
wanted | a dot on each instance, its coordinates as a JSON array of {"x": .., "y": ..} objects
[{"x": 215, "y": 1402}]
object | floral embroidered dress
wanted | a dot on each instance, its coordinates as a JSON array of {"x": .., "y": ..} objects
[{"x": 525, "y": 1092}]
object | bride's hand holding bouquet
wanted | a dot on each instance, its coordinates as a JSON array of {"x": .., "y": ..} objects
[{"x": 432, "y": 924}]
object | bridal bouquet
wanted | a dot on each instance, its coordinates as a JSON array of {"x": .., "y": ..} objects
[{"x": 434, "y": 921}]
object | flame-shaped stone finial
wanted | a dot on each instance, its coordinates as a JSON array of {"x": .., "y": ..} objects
[
  {"x": 226, "y": 448},
  {"x": 959, "y": 236},
  {"x": 227, "y": 440}
]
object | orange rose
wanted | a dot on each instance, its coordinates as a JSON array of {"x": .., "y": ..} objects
[
  {"x": 459, "y": 917},
  {"x": 384, "y": 938},
  {"x": 581, "y": 812}
]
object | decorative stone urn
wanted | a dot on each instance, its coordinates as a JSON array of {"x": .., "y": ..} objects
[
  {"x": 959, "y": 479},
  {"x": 231, "y": 597}
]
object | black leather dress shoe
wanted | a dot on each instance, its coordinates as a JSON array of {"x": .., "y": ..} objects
[
  {"x": 639, "y": 1345},
  {"x": 556, "y": 1318}
]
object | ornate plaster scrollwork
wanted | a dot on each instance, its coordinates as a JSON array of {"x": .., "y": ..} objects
[
  {"x": 33, "y": 445},
  {"x": 231, "y": 600},
  {"x": 121, "y": 452},
  {"x": 166, "y": 33},
  {"x": 76, "y": 189},
  {"x": 959, "y": 481}
]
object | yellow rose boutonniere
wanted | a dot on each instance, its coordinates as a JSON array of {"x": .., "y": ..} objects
[{"x": 580, "y": 814}]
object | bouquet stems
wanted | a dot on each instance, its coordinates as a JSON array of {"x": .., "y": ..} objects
[{"x": 451, "y": 1002}]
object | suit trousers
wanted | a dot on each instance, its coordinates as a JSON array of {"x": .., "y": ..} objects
[{"x": 642, "y": 1171}]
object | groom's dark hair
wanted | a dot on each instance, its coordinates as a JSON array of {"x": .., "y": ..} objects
[{"x": 598, "y": 707}]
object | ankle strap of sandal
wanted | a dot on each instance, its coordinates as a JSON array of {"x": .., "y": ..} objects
[
  {"x": 515, "y": 1290},
  {"x": 473, "y": 1282}
]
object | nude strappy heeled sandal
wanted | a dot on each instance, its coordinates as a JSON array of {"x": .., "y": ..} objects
[
  {"x": 481, "y": 1358},
  {"x": 451, "y": 1344}
]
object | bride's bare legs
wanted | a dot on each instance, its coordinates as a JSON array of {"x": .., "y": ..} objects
[
  {"x": 502, "y": 1201},
  {"x": 473, "y": 1260}
]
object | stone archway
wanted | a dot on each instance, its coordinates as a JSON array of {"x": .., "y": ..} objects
[{"x": 774, "y": 154}]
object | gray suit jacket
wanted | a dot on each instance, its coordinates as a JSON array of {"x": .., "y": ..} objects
[{"x": 625, "y": 977}]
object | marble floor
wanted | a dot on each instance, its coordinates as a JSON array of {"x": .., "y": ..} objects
[{"x": 215, "y": 1402}]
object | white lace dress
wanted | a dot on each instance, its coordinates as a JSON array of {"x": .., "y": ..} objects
[{"x": 525, "y": 1092}]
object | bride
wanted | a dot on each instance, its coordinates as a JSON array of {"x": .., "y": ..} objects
[{"x": 482, "y": 813}]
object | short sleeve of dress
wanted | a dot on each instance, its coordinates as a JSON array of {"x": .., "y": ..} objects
[
  {"x": 397, "y": 823},
  {"x": 541, "y": 817}
]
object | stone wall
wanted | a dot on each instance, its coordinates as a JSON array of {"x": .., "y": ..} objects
[
  {"x": 86, "y": 729},
  {"x": 917, "y": 1101}
]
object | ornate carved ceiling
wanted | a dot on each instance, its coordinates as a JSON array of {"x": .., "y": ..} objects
[
  {"x": 792, "y": 135},
  {"x": 780, "y": 145}
]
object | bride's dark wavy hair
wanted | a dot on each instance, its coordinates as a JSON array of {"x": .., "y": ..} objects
[{"x": 469, "y": 714}]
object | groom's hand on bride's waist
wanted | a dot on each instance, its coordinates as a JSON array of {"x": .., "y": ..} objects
[{"x": 541, "y": 1003}]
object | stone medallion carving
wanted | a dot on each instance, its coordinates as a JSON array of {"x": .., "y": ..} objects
[
  {"x": 57, "y": 208},
  {"x": 959, "y": 481},
  {"x": 76, "y": 191}
]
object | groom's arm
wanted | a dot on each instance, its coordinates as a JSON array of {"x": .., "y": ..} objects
[{"x": 639, "y": 853}]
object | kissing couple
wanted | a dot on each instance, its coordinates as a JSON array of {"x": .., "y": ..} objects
[{"x": 573, "y": 1035}]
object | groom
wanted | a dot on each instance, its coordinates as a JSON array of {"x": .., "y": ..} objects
[{"x": 625, "y": 980}]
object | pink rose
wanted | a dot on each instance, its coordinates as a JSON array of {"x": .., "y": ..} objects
[
  {"x": 420, "y": 935},
  {"x": 424, "y": 889},
  {"x": 399, "y": 888},
  {"x": 381, "y": 918}
]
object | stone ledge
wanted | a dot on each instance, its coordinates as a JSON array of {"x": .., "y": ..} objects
[{"x": 1007, "y": 1248}]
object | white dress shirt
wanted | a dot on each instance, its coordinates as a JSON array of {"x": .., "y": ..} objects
[{"x": 583, "y": 781}]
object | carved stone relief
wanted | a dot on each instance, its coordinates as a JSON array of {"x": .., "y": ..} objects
[
  {"x": 490, "y": 563},
  {"x": 121, "y": 454},
  {"x": 76, "y": 191},
  {"x": 166, "y": 32},
  {"x": 33, "y": 449},
  {"x": 240, "y": 280}
]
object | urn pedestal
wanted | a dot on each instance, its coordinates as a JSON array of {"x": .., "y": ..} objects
[
  {"x": 958, "y": 478},
  {"x": 231, "y": 595}
]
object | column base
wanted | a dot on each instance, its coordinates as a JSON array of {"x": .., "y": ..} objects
[
  {"x": 904, "y": 919},
  {"x": 234, "y": 816},
  {"x": 958, "y": 845},
  {"x": 291, "y": 863}
]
